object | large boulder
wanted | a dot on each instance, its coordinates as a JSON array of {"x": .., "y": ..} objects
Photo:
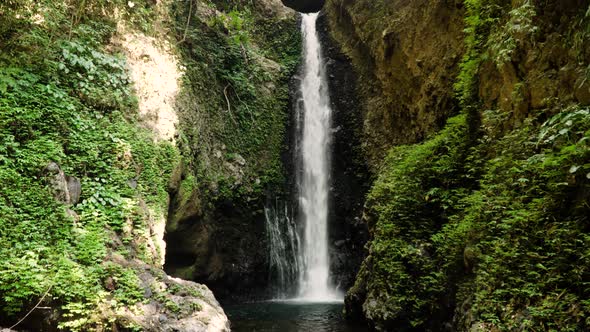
[
  {"x": 305, "y": 6},
  {"x": 174, "y": 305}
]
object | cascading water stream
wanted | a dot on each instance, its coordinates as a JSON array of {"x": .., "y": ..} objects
[
  {"x": 284, "y": 244},
  {"x": 306, "y": 261},
  {"x": 314, "y": 277}
]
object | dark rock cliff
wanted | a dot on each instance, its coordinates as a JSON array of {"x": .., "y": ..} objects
[
  {"x": 234, "y": 121},
  {"x": 406, "y": 54},
  {"x": 349, "y": 173},
  {"x": 223, "y": 248}
]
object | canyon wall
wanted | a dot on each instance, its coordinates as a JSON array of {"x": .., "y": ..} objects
[{"x": 475, "y": 127}]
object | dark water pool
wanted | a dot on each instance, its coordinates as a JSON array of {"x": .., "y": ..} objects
[{"x": 289, "y": 317}]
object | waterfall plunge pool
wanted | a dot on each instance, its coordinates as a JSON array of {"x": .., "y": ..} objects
[{"x": 289, "y": 316}]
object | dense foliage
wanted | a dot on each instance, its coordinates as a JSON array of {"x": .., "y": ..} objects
[
  {"x": 65, "y": 97},
  {"x": 485, "y": 225},
  {"x": 516, "y": 247},
  {"x": 417, "y": 190}
]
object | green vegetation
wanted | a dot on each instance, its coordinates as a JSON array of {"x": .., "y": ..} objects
[
  {"x": 238, "y": 64},
  {"x": 416, "y": 192},
  {"x": 480, "y": 16},
  {"x": 515, "y": 246},
  {"x": 485, "y": 224},
  {"x": 65, "y": 97},
  {"x": 533, "y": 210}
]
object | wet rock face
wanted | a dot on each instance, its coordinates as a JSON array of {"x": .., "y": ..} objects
[
  {"x": 305, "y": 6},
  {"x": 349, "y": 172}
]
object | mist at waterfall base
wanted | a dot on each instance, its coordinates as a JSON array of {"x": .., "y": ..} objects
[{"x": 304, "y": 297}]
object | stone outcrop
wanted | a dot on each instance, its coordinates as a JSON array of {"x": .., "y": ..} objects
[
  {"x": 174, "y": 304},
  {"x": 60, "y": 184},
  {"x": 65, "y": 189},
  {"x": 74, "y": 189}
]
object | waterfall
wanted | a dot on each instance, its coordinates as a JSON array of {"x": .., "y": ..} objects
[
  {"x": 291, "y": 259},
  {"x": 284, "y": 244},
  {"x": 313, "y": 182}
]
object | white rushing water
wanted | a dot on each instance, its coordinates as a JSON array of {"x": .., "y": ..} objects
[
  {"x": 284, "y": 244},
  {"x": 314, "y": 277}
]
